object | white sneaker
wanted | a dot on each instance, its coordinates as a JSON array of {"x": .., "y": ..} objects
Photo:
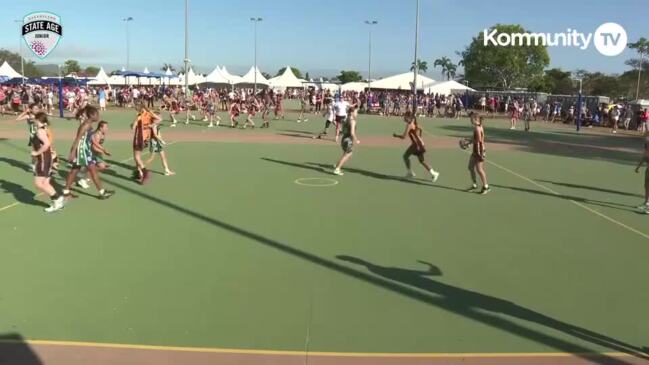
[
  {"x": 434, "y": 175},
  {"x": 173, "y": 124},
  {"x": 299, "y": 121},
  {"x": 306, "y": 120},
  {"x": 83, "y": 183},
  {"x": 56, "y": 205},
  {"x": 338, "y": 172},
  {"x": 512, "y": 128},
  {"x": 193, "y": 118},
  {"x": 643, "y": 206},
  {"x": 211, "y": 125},
  {"x": 410, "y": 175}
]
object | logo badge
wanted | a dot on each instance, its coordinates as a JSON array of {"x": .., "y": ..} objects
[
  {"x": 42, "y": 31},
  {"x": 610, "y": 39}
]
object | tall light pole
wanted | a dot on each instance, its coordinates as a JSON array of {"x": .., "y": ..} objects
[
  {"x": 637, "y": 89},
  {"x": 255, "y": 21},
  {"x": 579, "y": 103},
  {"x": 128, "y": 42},
  {"x": 186, "y": 58},
  {"x": 416, "y": 68},
  {"x": 369, "y": 57},
  {"x": 20, "y": 51}
]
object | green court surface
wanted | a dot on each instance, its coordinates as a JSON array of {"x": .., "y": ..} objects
[{"x": 238, "y": 251}]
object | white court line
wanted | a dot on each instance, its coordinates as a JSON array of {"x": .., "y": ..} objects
[
  {"x": 14, "y": 204},
  {"x": 587, "y": 208}
]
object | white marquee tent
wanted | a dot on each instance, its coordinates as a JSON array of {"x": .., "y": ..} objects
[
  {"x": 285, "y": 80},
  {"x": 401, "y": 82},
  {"x": 249, "y": 78},
  {"x": 234, "y": 79},
  {"x": 354, "y": 86},
  {"x": 217, "y": 77},
  {"x": 8, "y": 71},
  {"x": 101, "y": 79},
  {"x": 445, "y": 87}
]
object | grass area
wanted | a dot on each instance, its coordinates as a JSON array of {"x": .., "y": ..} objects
[{"x": 231, "y": 252}]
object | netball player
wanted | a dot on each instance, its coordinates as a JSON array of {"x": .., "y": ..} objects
[
  {"x": 417, "y": 148},
  {"x": 348, "y": 139},
  {"x": 42, "y": 154},
  {"x": 157, "y": 146},
  {"x": 330, "y": 118},
  {"x": 98, "y": 149},
  {"x": 477, "y": 159},
  {"x": 645, "y": 160},
  {"x": 81, "y": 155},
  {"x": 141, "y": 138}
]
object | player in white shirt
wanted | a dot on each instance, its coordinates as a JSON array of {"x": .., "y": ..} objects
[{"x": 341, "y": 108}]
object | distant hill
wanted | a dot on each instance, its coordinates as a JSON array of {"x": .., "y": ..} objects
[{"x": 48, "y": 69}]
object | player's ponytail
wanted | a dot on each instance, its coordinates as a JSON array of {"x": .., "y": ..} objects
[
  {"x": 87, "y": 112},
  {"x": 42, "y": 117}
]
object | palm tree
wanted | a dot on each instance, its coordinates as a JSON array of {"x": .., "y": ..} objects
[
  {"x": 448, "y": 67},
  {"x": 168, "y": 66},
  {"x": 642, "y": 47},
  {"x": 421, "y": 66}
]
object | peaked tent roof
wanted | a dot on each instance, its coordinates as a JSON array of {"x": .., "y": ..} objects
[
  {"x": 101, "y": 78},
  {"x": 7, "y": 70},
  {"x": 402, "y": 81},
  {"x": 217, "y": 77},
  {"x": 354, "y": 86},
  {"x": 168, "y": 72},
  {"x": 445, "y": 87},
  {"x": 233, "y": 78},
  {"x": 286, "y": 79},
  {"x": 249, "y": 78}
]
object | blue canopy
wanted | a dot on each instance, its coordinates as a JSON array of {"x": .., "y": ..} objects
[{"x": 156, "y": 75}]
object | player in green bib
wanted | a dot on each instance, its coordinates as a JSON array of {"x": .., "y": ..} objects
[
  {"x": 348, "y": 133},
  {"x": 157, "y": 146}
]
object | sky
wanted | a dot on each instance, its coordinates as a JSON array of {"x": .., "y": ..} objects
[{"x": 318, "y": 36}]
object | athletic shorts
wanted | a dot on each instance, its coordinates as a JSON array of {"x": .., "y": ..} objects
[
  {"x": 155, "y": 146},
  {"x": 477, "y": 157},
  {"x": 43, "y": 165},
  {"x": 99, "y": 159},
  {"x": 414, "y": 150},
  {"x": 340, "y": 119},
  {"x": 347, "y": 144}
]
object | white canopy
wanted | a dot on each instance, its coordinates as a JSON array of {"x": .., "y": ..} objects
[
  {"x": 117, "y": 80},
  {"x": 217, "y": 77},
  {"x": 445, "y": 87},
  {"x": 234, "y": 79},
  {"x": 168, "y": 72},
  {"x": 285, "y": 80},
  {"x": 192, "y": 78},
  {"x": 354, "y": 86},
  {"x": 7, "y": 70},
  {"x": 401, "y": 81},
  {"x": 249, "y": 78},
  {"x": 101, "y": 78}
]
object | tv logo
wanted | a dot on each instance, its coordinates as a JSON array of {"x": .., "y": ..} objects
[{"x": 610, "y": 39}]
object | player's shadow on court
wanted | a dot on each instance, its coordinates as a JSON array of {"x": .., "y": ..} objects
[
  {"x": 15, "y": 351},
  {"x": 21, "y": 194},
  {"x": 327, "y": 169},
  {"x": 411, "y": 285},
  {"x": 490, "y": 309},
  {"x": 17, "y": 164},
  {"x": 594, "y": 188},
  {"x": 577, "y": 199}
]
